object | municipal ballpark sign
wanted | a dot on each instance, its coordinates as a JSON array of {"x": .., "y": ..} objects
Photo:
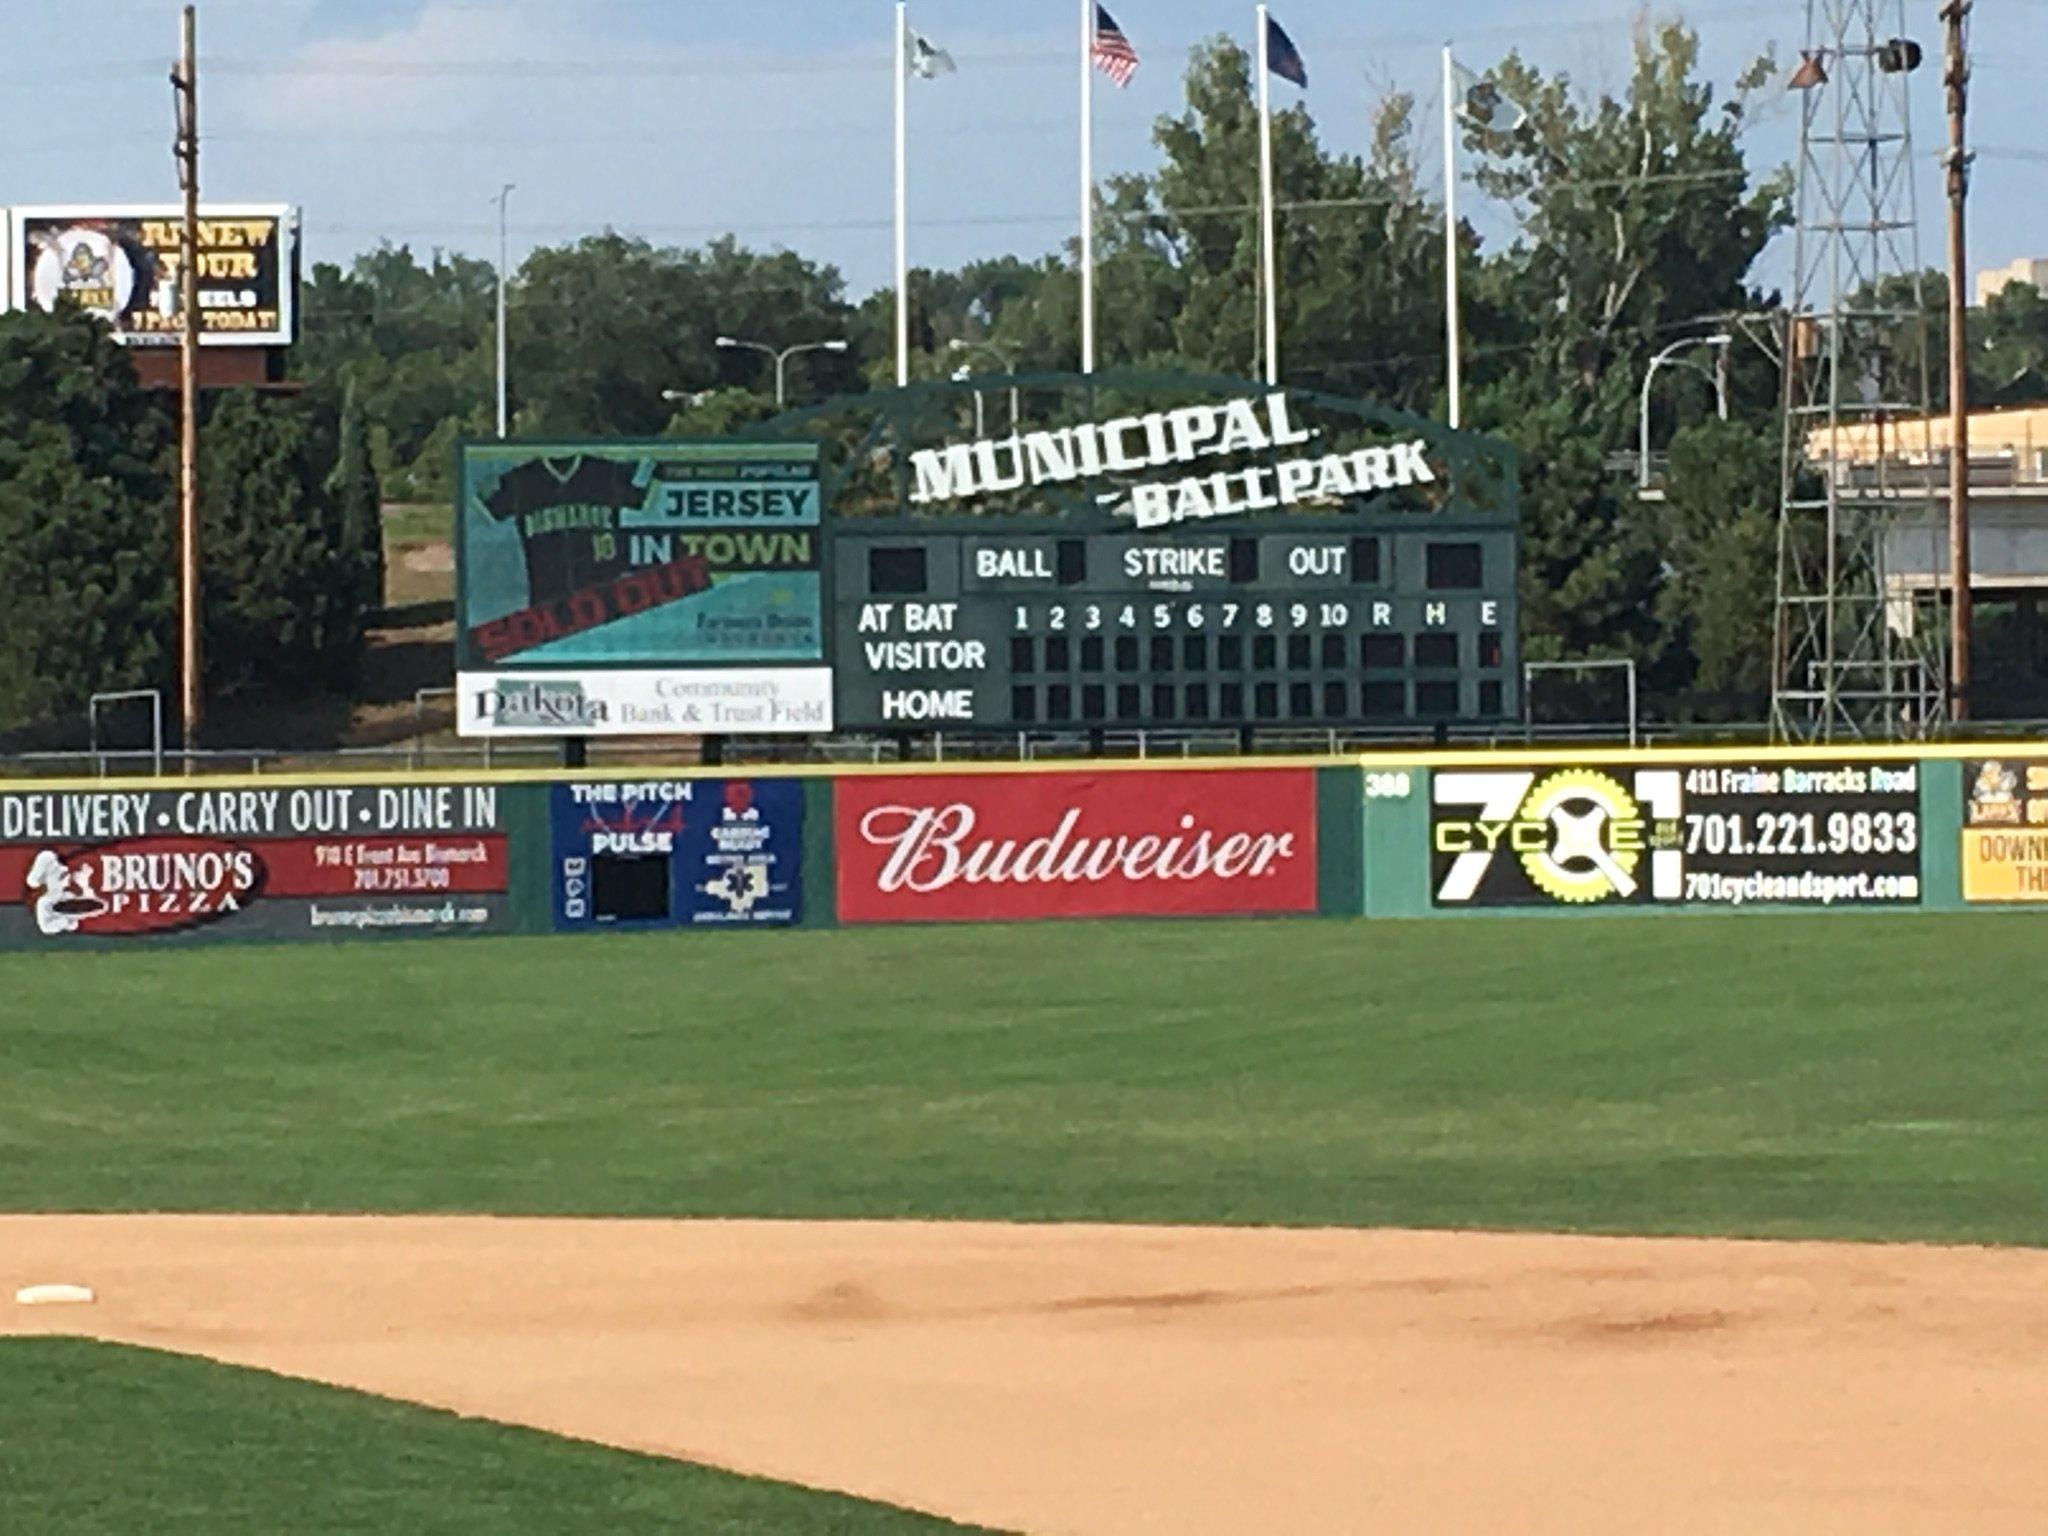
[
  {"x": 1709, "y": 834},
  {"x": 124, "y": 266},
  {"x": 1259, "y": 558},
  {"x": 334, "y": 861},
  {"x": 653, "y": 588}
]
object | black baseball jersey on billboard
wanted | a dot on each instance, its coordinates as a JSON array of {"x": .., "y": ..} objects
[{"x": 567, "y": 515}]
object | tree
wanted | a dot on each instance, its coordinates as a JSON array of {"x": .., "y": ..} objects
[
  {"x": 1719, "y": 548},
  {"x": 416, "y": 343},
  {"x": 602, "y": 329},
  {"x": 282, "y": 583},
  {"x": 86, "y": 507},
  {"x": 359, "y": 501},
  {"x": 719, "y": 413},
  {"x": 1641, "y": 222}
]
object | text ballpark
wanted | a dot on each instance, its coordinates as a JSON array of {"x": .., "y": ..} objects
[
  {"x": 1262, "y": 488},
  {"x": 932, "y": 848}
]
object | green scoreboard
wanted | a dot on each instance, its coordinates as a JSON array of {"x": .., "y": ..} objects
[
  {"x": 1282, "y": 561},
  {"x": 1284, "y": 622}
]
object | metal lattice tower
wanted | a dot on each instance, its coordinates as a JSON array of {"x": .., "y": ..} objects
[{"x": 1855, "y": 656}]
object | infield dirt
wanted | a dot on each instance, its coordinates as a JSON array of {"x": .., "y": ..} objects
[{"x": 1124, "y": 1380}]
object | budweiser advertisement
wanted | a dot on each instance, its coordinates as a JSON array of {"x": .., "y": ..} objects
[{"x": 1008, "y": 846}]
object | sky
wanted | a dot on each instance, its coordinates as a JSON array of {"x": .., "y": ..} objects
[{"x": 679, "y": 120}]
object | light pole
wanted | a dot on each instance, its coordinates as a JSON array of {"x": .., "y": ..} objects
[
  {"x": 1009, "y": 367},
  {"x": 781, "y": 356},
  {"x": 1720, "y": 340},
  {"x": 503, "y": 201}
]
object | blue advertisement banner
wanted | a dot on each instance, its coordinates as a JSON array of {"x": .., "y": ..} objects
[
  {"x": 678, "y": 853},
  {"x": 649, "y": 554}
]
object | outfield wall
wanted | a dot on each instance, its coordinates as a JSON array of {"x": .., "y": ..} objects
[{"x": 112, "y": 864}]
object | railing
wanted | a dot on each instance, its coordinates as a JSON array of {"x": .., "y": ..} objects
[
  {"x": 1019, "y": 747},
  {"x": 1926, "y": 474}
]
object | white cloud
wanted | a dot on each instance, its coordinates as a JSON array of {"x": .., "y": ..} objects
[{"x": 433, "y": 72}]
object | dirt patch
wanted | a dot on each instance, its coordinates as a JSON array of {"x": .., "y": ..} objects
[
  {"x": 1111, "y": 1380},
  {"x": 430, "y": 559}
]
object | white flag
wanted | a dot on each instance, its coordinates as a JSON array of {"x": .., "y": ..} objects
[
  {"x": 928, "y": 60},
  {"x": 1481, "y": 103}
]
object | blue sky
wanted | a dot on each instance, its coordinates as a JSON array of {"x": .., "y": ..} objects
[{"x": 680, "y": 119}]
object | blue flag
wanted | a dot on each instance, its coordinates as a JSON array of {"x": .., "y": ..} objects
[{"x": 1282, "y": 57}]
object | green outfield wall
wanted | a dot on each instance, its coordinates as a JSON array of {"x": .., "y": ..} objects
[{"x": 115, "y": 864}]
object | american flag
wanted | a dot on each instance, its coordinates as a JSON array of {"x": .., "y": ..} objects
[{"x": 1114, "y": 55}]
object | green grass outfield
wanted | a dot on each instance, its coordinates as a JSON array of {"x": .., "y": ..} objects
[
  {"x": 96, "y": 1441},
  {"x": 1872, "y": 1077}
]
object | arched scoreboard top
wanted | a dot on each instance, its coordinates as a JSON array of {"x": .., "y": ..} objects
[
  {"x": 1143, "y": 450},
  {"x": 1122, "y": 551},
  {"x": 1148, "y": 551}
]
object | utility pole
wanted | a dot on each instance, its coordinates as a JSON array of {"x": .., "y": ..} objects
[
  {"x": 1955, "y": 16},
  {"x": 185, "y": 90},
  {"x": 503, "y": 200}
]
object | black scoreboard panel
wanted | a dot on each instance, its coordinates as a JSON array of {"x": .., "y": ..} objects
[{"x": 1285, "y": 623}]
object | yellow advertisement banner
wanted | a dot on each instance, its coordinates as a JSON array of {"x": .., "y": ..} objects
[{"x": 2005, "y": 865}]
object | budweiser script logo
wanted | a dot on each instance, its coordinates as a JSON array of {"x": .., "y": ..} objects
[{"x": 932, "y": 848}]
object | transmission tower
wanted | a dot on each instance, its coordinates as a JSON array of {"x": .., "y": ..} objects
[{"x": 1856, "y": 656}]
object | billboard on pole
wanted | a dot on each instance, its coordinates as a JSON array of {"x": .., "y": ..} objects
[{"x": 122, "y": 265}]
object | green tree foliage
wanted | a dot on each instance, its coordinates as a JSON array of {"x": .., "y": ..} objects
[
  {"x": 718, "y": 413},
  {"x": 85, "y": 521},
  {"x": 282, "y": 580},
  {"x": 2009, "y": 348},
  {"x": 1640, "y": 224},
  {"x": 359, "y": 502},
  {"x": 603, "y": 328},
  {"x": 416, "y": 342},
  {"x": 1719, "y": 551}
]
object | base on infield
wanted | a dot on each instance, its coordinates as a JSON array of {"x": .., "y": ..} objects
[{"x": 54, "y": 1296}]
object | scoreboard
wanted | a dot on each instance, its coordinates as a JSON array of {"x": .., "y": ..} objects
[{"x": 1285, "y": 621}]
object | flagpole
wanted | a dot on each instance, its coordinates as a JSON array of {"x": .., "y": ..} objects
[
  {"x": 1087, "y": 186},
  {"x": 1270, "y": 265},
  {"x": 902, "y": 193},
  {"x": 1453, "y": 343}
]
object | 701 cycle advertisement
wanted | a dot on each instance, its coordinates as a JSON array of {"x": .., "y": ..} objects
[{"x": 1705, "y": 834}]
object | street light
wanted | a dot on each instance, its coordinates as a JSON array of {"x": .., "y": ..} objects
[
  {"x": 782, "y": 357},
  {"x": 1720, "y": 340},
  {"x": 1009, "y": 367},
  {"x": 503, "y": 200}
]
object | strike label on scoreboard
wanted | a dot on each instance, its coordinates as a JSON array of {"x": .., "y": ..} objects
[{"x": 1281, "y": 622}]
